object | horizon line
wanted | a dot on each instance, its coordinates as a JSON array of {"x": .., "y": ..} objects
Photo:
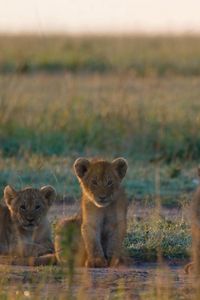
[{"x": 140, "y": 32}]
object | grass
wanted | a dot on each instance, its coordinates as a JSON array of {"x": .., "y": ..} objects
[
  {"x": 142, "y": 55},
  {"x": 152, "y": 119},
  {"x": 139, "y": 183},
  {"x": 136, "y": 97},
  {"x": 147, "y": 239}
]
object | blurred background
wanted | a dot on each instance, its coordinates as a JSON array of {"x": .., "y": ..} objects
[
  {"x": 101, "y": 78},
  {"x": 105, "y": 16}
]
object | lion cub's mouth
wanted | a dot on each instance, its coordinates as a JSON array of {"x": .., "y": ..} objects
[
  {"x": 29, "y": 226},
  {"x": 103, "y": 202}
]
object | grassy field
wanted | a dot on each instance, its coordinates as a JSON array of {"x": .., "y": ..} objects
[
  {"x": 47, "y": 121},
  {"x": 89, "y": 111},
  {"x": 137, "y": 97},
  {"x": 142, "y": 55}
]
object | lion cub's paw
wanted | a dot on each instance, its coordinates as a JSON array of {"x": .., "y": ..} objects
[
  {"x": 97, "y": 262},
  {"x": 115, "y": 262}
]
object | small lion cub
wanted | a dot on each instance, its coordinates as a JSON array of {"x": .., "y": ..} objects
[
  {"x": 102, "y": 226},
  {"x": 24, "y": 228}
]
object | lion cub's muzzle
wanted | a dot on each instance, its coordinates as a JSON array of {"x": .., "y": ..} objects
[
  {"x": 103, "y": 201},
  {"x": 29, "y": 223}
]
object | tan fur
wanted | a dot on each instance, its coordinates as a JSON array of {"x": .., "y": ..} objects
[
  {"x": 102, "y": 227},
  {"x": 25, "y": 233},
  {"x": 194, "y": 267},
  {"x": 69, "y": 246}
]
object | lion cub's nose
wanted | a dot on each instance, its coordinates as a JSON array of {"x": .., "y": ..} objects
[
  {"x": 102, "y": 198},
  {"x": 30, "y": 220}
]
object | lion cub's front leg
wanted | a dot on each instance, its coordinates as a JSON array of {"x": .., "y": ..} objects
[
  {"x": 95, "y": 255},
  {"x": 115, "y": 236}
]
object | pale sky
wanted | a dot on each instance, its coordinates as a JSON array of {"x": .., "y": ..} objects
[{"x": 90, "y": 16}]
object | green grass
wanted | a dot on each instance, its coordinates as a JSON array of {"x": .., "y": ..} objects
[
  {"x": 148, "y": 239},
  {"x": 140, "y": 182}
]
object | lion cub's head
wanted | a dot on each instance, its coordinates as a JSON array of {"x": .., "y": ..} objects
[
  {"x": 29, "y": 206},
  {"x": 100, "y": 179}
]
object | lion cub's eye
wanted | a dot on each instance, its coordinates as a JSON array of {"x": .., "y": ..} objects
[
  {"x": 23, "y": 207},
  {"x": 94, "y": 182},
  {"x": 37, "y": 207},
  {"x": 109, "y": 183}
]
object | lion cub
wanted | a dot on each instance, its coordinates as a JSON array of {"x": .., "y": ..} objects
[
  {"x": 24, "y": 228},
  {"x": 99, "y": 233},
  {"x": 194, "y": 267}
]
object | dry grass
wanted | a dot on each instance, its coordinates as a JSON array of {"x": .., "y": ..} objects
[
  {"x": 137, "y": 97},
  {"x": 142, "y": 55},
  {"x": 92, "y": 114}
]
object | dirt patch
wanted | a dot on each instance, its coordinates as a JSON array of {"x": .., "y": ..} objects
[{"x": 134, "y": 282}]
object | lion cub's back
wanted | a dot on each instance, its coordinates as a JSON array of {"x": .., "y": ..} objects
[{"x": 69, "y": 246}]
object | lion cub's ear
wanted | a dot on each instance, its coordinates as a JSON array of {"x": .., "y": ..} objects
[
  {"x": 81, "y": 166},
  {"x": 121, "y": 166},
  {"x": 49, "y": 194},
  {"x": 9, "y": 194}
]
